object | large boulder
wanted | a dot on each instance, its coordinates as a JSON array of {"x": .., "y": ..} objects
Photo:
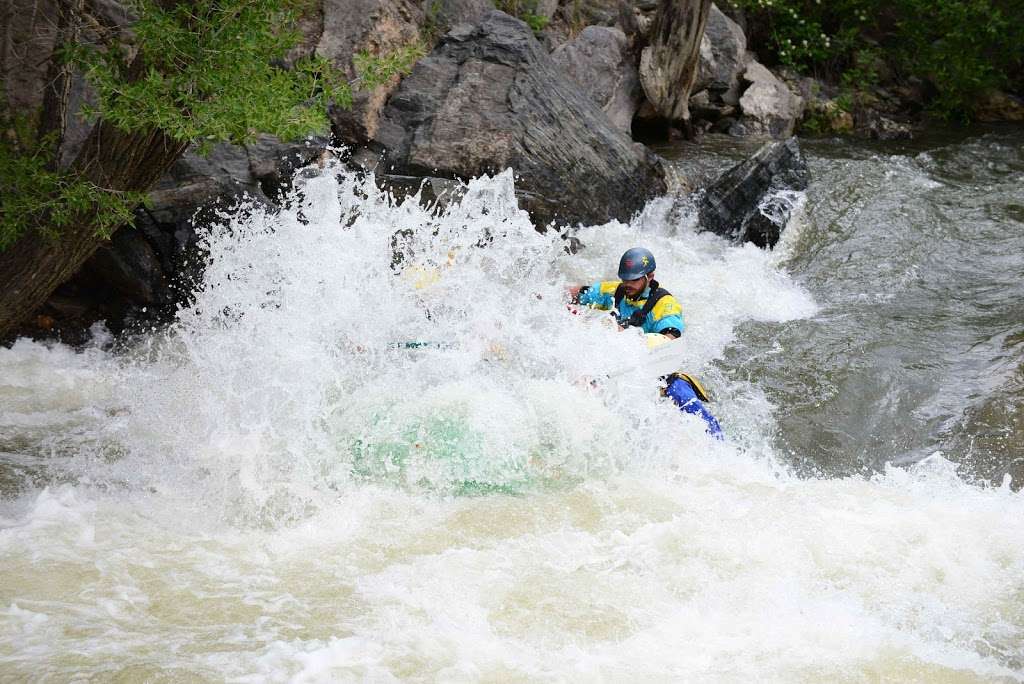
[
  {"x": 600, "y": 62},
  {"x": 260, "y": 170},
  {"x": 769, "y": 107},
  {"x": 748, "y": 202},
  {"x": 723, "y": 51},
  {"x": 489, "y": 97},
  {"x": 377, "y": 27}
]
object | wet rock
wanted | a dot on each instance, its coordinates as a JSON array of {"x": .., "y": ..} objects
[
  {"x": 129, "y": 265},
  {"x": 722, "y": 59},
  {"x": 703, "y": 108},
  {"x": 438, "y": 193},
  {"x": 877, "y": 127},
  {"x": 600, "y": 62},
  {"x": 147, "y": 269},
  {"x": 769, "y": 107},
  {"x": 746, "y": 204},
  {"x": 261, "y": 170},
  {"x": 489, "y": 97}
]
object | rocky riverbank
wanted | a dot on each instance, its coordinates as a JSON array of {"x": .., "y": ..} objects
[{"x": 562, "y": 98}]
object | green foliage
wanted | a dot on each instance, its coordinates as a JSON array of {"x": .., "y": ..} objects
[
  {"x": 433, "y": 23},
  {"x": 525, "y": 10},
  {"x": 213, "y": 71},
  {"x": 863, "y": 72},
  {"x": 376, "y": 70},
  {"x": 206, "y": 72},
  {"x": 537, "y": 22},
  {"x": 844, "y": 101},
  {"x": 963, "y": 47},
  {"x": 33, "y": 196}
]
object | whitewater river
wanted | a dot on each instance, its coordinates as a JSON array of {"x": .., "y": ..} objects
[{"x": 280, "y": 488}]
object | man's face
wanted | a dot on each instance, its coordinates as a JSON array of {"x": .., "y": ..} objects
[{"x": 634, "y": 287}]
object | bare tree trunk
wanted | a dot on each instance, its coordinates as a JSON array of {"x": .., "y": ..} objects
[
  {"x": 33, "y": 267},
  {"x": 57, "y": 89},
  {"x": 668, "y": 66}
]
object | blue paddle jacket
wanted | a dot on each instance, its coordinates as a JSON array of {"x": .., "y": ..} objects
[{"x": 666, "y": 313}]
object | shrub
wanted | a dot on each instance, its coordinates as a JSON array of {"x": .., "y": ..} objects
[{"x": 963, "y": 47}]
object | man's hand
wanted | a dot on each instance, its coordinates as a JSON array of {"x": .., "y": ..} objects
[{"x": 574, "y": 292}]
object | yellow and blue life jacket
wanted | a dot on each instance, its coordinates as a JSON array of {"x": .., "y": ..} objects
[{"x": 654, "y": 311}]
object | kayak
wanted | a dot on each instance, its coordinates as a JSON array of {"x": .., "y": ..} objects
[{"x": 662, "y": 361}]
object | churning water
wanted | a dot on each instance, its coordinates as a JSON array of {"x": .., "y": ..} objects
[{"x": 372, "y": 450}]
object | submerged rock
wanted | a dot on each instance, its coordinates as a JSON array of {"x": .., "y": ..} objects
[
  {"x": 872, "y": 124},
  {"x": 488, "y": 98},
  {"x": 745, "y": 204}
]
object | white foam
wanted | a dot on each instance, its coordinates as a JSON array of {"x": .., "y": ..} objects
[{"x": 275, "y": 490}]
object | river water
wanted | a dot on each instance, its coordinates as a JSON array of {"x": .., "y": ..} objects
[{"x": 282, "y": 488}]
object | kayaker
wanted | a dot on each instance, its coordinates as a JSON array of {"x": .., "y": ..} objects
[
  {"x": 636, "y": 298},
  {"x": 638, "y": 301}
]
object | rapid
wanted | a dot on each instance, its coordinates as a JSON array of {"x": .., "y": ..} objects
[{"x": 378, "y": 447}]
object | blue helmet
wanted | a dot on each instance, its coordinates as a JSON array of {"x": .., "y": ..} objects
[{"x": 636, "y": 263}]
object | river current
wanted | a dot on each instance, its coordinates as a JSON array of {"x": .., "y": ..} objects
[{"x": 378, "y": 447}]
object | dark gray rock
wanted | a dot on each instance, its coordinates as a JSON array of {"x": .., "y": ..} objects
[
  {"x": 131, "y": 267},
  {"x": 261, "y": 170},
  {"x": 140, "y": 276},
  {"x": 444, "y": 14},
  {"x": 438, "y": 193},
  {"x": 722, "y": 58},
  {"x": 702, "y": 107},
  {"x": 600, "y": 61},
  {"x": 746, "y": 203},
  {"x": 590, "y": 12},
  {"x": 489, "y": 97}
]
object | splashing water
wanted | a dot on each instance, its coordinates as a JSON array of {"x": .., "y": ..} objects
[{"x": 371, "y": 449}]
